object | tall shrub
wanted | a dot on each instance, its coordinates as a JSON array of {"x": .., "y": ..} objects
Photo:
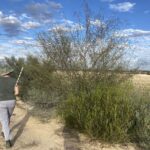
[{"x": 105, "y": 112}]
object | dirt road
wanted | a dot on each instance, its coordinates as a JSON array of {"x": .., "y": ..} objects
[{"x": 32, "y": 134}]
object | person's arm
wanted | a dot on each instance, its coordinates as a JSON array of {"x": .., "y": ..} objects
[{"x": 16, "y": 90}]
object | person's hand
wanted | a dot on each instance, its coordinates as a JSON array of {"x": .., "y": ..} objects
[{"x": 16, "y": 90}]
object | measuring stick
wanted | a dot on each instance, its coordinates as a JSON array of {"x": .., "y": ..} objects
[{"x": 19, "y": 75}]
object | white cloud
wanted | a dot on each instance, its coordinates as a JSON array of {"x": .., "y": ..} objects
[
  {"x": 7, "y": 50},
  {"x": 98, "y": 23},
  {"x": 16, "y": 0},
  {"x": 1, "y": 14},
  {"x": 134, "y": 32},
  {"x": 122, "y": 7},
  {"x": 146, "y": 11},
  {"x": 67, "y": 26},
  {"x": 19, "y": 42},
  {"x": 27, "y": 38},
  {"x": 54, "y": 5},
  {"x": 10, "y": 19},
  {"x": 107, "y": 1},
  {"x": 142, "y": 51},
  {"x": 18, "y": 48},
  {"x": 31, "y": 25},
  {"x": 27, "y": 42},
  {"x": 139, "y": 41},
  {"x": 13, "y": 25},
  {"x": 67, "y": 22},
  {"x": 42, "y": 11},
  {"x": 24, "y": 16},
  {"x": 10, "y": 24}
]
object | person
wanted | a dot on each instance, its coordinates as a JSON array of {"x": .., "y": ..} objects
[{"x": 8, "y": 90}]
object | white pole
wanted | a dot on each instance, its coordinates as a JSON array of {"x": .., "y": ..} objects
[{"x": 19, "y": 75}]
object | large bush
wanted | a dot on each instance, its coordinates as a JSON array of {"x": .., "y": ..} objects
[
  {"x": 105, "y": 112},
  {"x": 110, "y": 112}
]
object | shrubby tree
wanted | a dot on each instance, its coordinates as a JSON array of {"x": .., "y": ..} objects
[
  {"x": 93, "y": 50},
  {"x": 90, "y": 61}
]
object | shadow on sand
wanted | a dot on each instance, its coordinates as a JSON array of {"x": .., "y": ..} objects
[
  {"x": 71, "y": 139},
  {"x": 20, "y": 125}
]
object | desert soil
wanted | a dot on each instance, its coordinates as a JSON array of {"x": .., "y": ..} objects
[{"x": 141, "y": 81}]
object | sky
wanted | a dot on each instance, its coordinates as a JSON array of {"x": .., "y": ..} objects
[{"x": 22, "y": 20}]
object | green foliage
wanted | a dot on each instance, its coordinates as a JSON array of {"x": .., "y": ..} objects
[
  {"x": 104, "y": 112},
  {"x": 37, "y": 75},
  {"x": 140, "y": 132},
  {"x": 111, "y": 111}
]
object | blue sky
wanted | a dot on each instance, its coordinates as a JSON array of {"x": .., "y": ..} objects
[{"x": 21, "y": 20}]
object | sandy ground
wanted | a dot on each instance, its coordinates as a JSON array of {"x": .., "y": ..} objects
[
  {"x": 141, "y": 80},
  {"x": 31, "y": 134}
]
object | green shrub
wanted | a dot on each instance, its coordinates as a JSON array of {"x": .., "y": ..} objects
[
  {"x": 41, "y": 98},
  {"x": 141, "y": 128},
  {"x": 105, "y": 112},
  {"x": 110, "y": 112}
]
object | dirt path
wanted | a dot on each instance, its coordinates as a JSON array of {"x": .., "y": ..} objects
[{"x": 31, "y": 134}]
